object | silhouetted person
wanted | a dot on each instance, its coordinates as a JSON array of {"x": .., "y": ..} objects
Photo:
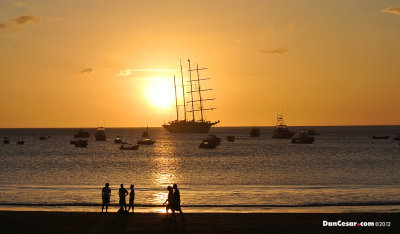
[
  {"x": 122, "y": 194},
  {"x": 170, "y": 201},
  {"x": 177, "y": 200},
  {"x": 105, "y": 195},
  {"x": 132, "y": 199}
]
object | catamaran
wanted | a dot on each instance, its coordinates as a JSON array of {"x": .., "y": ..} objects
[{"x": 195, "y": 104}]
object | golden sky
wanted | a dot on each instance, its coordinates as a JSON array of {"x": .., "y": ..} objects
[{"x": 87, "y": 63}]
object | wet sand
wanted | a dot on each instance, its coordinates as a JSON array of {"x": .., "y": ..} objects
[{"x": 90, "y": 222}]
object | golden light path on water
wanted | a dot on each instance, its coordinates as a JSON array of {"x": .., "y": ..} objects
[{"x": 166, "y": 164}]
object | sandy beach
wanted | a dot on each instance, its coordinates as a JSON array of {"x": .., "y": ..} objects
[{"x": 90, "y": 222}]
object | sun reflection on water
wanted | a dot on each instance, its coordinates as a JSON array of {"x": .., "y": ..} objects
[
  {"x": 166, "y": 165},
  {"x": 159, "y": 198}
]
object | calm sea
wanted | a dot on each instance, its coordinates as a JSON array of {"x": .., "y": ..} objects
[{"x": 345, "y": 170}]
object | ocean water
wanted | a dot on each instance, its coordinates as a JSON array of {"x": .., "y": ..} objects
[{"x": 345, "y": 170}]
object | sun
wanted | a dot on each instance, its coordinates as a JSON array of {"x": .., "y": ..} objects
[{"x": 160, "y": 92}]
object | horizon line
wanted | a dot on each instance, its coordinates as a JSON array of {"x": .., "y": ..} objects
[{"x": 237, "y": 126}]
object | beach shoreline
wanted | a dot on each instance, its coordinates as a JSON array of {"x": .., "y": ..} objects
[
  {"x": 95, "y": 222},
  {"x": 208, "y": 209}
]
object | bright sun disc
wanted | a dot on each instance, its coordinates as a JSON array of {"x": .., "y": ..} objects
[{"x": 160, "y": 92}]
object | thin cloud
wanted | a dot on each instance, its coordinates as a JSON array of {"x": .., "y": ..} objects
[
  {"x": 129, "y": 71},
  {"x": 277, "y": 51},
  {"x": 18, "y": 23},
  {"x": 19, "y": 4},
  {"x": 24, "y": 19},
  {"x": 124, "y": 73},
  {"x": 153, "y": 70},
  {"x": 86, "y": 71},
  {"x": 392, "y": 10}
]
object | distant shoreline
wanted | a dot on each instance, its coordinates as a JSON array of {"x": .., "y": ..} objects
[{"x": 92, "y": 222}]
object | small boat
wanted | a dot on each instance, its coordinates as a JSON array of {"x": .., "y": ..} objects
[
  {"x": 304, "y": 138},
  {"x": 255, "y": 132},
  {"x": 81, "y": 143},
  {"x": 396, "y": 138},
  {"x": 42, "y": 138},
  {"x": 210, "y": 142},
  {"x": 118, "y": 140},
  {"x": 230, "y": 138},
  {"x": 380, "y": 137},
  {"x": 281, "y": 130},
  {"x": 134, "y": 147},
  {"x": 101, "y": 134},
  {"x": 20, "y": 141},
  {"x": 145, "y": 141},
  {"x": 81, "y": 134},
  {"x": 207, "y": 145},
  {"x": 6, "y": 140}
]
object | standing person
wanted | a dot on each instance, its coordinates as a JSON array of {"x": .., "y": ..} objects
[
  {"x": 105, "y": 195},
  {"x": 122, "y": 194},
  {"x": 132, "y": 198},
  {"x": 170, "y": 201},
  {"x": 177, "y": 200}
]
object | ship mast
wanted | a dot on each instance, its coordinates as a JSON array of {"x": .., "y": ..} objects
[
  {"x": 191, "y": 88},
  {"x": 176, "y": 101},
  {"x": 200, "y": 100},
  {"x": 191, "y": 124},
  {"x": 183, "y": 92}
]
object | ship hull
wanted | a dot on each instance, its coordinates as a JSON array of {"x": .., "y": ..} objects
[
  {"x": 188, "y": 127},
  {"x": 282, "y": 133},
  {"x": 101, "y": 137}
]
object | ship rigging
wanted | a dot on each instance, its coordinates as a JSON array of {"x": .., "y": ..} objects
[{"x": 195, "y": 125}]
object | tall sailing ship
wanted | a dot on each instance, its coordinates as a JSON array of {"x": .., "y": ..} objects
[{"x": 194, "y": 105}]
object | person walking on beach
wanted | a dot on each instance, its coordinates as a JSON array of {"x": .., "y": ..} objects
[
  {"x": 105, "y": 195},
  {"x": 122, "y": 194},
  {"x": 170, "y": 201},
  {"x": 132, "y": 199},
  {"x": 177, "y": 200}
]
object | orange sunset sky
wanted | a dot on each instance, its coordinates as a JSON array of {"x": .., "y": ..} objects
[{"x": 93, "y": 62}]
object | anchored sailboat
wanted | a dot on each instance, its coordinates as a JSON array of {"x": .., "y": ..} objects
[{"x": 194, "y": 125}]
